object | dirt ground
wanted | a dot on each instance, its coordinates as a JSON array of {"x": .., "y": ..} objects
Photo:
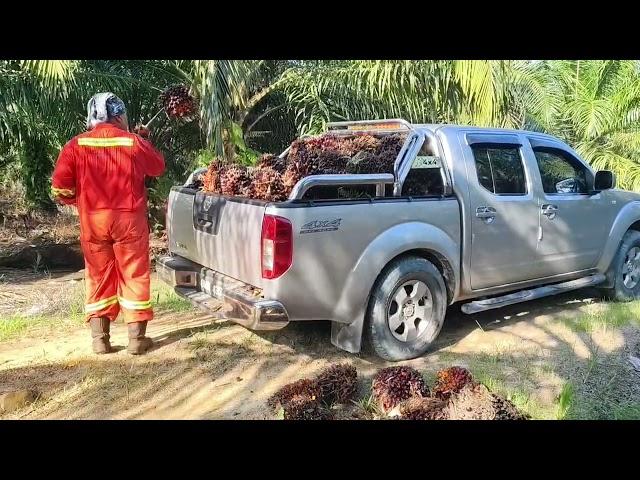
[{"x": 560, "y": 357}]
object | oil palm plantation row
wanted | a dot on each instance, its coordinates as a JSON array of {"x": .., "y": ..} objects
[{"x": 262, "y": 105}]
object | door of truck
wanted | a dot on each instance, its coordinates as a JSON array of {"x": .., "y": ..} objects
[
  {"x": 574, "y": 222},
  {"x": 503, "y": 209}
]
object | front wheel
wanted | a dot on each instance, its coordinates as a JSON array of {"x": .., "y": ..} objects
[
  {"x": 625, "y": 269},
  {"x": 406, "y": 310}
]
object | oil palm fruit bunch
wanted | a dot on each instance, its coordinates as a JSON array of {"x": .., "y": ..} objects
[
  {"x": 273, "y": 161},
  {"x": 364, "y": 142},
  {"x": 451, "y": 380},
  {"x": 268, "y": 185},
  {"x": 178, "y": 102},
  {"x": 303, "y": 157},
  {"x": 300, "y": 400},
  {"x": 211, "y": 178},
  {"x": 419, "y": 408},
  {"x": 476, "y": 402},
  {"x": 338, "y": 383},
  {"x": 234, "y": 181},
  {"x": 296, "y": 170},
  {"x": 393, "y": 385},
  {"x": 473, "y": 402},
  {"x": 505, "y": 410},
  {"x": 384, "y": 157},
  {"x": 301, "y": 388},
  {"x": 301, "y": 407}
]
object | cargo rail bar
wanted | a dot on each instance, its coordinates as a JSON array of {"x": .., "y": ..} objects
[
  {"x": 377, "y": 179},
  {"x": 394, "y": 125}
]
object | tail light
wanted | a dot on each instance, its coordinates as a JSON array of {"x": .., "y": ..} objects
[{"x": 277, "y": 246}]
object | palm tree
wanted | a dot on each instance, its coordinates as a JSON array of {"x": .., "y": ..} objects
[
  {"x": 233, "y": 98},
  {"x": 479, "y": 92},
  {"x": 29, "y": 91},
  {"x": 594, "y": 106},
  {"x": 43, "y": 104}
]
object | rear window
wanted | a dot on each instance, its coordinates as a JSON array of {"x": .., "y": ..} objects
[
  {"x": 500, "y": 169},
  {"x": 425, "y": 177}
]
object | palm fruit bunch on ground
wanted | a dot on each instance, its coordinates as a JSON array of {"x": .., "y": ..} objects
[
  {"x": 178, "y": 102},
  {"x": 476, "y": 402},
  {"x": 301, "y": 407},
  {"x": 427, "y": 408},
  {"x": 338, "y": 383},
  {"x": 393, "y": 385},
  {"x": 399, "y": 392},
  {"x": 450, "y": 381},
  {"x": 300, "y": 400},
  {"x": 506, "y": 410}
]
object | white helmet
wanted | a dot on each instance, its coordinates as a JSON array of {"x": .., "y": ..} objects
[{"x": 102, "y": 107}]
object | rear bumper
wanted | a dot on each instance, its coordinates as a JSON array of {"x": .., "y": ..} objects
[{"x": 210, "y": 290}]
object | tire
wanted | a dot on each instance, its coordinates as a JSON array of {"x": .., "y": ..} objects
[
  {"x": 626, "y": 285},
  {"x": 394, "y": 328}
]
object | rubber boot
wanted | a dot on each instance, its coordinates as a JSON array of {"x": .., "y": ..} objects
[
  {"x": 138, "y": 343},
  {"x": 100, "y": 334}
]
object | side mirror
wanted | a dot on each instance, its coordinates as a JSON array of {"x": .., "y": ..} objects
[{"x": 605, "y": 180}]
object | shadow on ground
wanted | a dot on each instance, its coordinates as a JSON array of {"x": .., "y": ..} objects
[{"x": 207, "y": 368}]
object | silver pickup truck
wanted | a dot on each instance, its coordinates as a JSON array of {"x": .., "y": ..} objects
[{"x": 493, "y": 217}]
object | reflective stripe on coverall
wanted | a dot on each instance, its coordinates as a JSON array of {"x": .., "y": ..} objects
[{"x": 102, "y": 171}]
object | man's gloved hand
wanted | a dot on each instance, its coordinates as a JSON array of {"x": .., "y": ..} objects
[{"x": 141, "y": 130}]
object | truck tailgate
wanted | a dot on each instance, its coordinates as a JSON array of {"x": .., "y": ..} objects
[{"x": 220, "y": 233}]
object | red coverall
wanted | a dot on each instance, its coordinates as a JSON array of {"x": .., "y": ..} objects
[{"x": 102, "y": 171}]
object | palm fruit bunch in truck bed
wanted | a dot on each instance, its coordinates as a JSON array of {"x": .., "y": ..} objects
[
  {"x": 236, "y": 180},
  {"x": 273, "y": 178}
]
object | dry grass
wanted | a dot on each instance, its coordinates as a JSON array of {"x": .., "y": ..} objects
[
  {"x": 558, "y": 358},
  {"x": 59, "y": 306}
]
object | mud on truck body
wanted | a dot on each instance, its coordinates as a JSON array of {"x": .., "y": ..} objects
[{"x": 499, "y": 217}]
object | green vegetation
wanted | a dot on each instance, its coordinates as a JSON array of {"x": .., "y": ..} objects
[{"x": 247, "y": 107}]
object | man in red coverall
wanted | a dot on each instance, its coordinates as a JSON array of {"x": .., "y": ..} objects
[{"x": 102, "y": 171}]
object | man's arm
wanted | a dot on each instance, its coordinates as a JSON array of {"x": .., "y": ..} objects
[
  {"x": 63, "y": 181},
  {"x": 152, "y": 160}
]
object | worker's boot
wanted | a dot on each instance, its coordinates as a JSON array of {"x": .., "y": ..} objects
[
  {"x": 100, "y": 334},
  {"x": 138, "y": 343}
]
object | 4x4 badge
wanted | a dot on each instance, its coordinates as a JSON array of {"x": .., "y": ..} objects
[{"x": 321, "y": 226}]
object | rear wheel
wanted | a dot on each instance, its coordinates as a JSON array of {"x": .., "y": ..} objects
[
  {"x": 625, "y": 269},
  {"x": 406, "y": 309}
]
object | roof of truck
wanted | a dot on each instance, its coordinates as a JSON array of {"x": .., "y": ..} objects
[
  {"x": 398, "y": 124},
  {"x": 450, "y": 126}
]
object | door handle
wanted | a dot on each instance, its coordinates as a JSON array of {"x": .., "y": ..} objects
[
  {"x": 549, "y": 210},
  {"x": 488, "y": 214}
]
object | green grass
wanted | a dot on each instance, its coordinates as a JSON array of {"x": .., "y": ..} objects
[
  {"x": 627, "y": 411},
  {"x": 368, "y": 406},
  {"x": 166, "y": 300},
  {"x": 519, "y": 396},
  {"x": 565, "y": 400},
  {"x": 11, "y": 327},
  {"x": 604, "y": 315},
  {"x": 68, "y": 311}
]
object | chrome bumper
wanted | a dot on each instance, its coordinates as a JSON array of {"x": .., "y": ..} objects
[{"x": 213, "y": 291}]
